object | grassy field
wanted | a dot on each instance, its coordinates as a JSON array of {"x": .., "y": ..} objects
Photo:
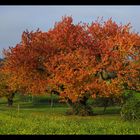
[{"x": 43, "y": 119}]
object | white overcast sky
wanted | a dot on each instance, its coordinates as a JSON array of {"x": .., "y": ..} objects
[{"x": 16, "y": 19}]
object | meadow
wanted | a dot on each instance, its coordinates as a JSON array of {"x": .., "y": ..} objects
[{"x": 27, "y": 118}]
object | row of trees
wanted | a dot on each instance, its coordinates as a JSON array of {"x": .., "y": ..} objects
[{"x": 75, "y": 61}]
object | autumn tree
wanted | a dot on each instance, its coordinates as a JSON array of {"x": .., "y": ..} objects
[
  {"x": 93, "y": 60},
  {"x": 25, "y": 63},
  {"x": 77, "y": 61},
  {"x": 5, "y": 90}
]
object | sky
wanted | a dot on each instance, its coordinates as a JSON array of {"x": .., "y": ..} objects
[{"x": 16, "y": 19}]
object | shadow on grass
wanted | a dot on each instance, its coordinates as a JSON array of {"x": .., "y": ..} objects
[
  {"x": 40, "y": 107},
  {"x": 109, "y": 111}
]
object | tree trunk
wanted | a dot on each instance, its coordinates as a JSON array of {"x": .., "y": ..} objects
[
  {"x": 10, "y": 102},
  {"x": 51, "y": 100},
  {"x": 105, "y": 104},
  {"x": 105, "y": 108},
  {"x": 79, "y": 107},
  {"x": 10, "y": 99}
]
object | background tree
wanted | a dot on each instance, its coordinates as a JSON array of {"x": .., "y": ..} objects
[
  {"x": 5, "y": 90},
  {"x": 25, "y": 63}
]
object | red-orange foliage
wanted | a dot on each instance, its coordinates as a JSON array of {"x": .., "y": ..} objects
[
  {"x": 25, "y": 63},
  {"x": 88, "y": 60}
]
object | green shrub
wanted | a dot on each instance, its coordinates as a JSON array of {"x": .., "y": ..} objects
[
  {"x": 131, "y": 109},
  {"x": 127, "y": 94}
]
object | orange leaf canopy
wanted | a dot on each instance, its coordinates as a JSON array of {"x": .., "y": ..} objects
[{"x": 88, "y": 60}]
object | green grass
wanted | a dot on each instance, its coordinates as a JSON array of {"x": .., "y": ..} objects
[
  {"x": 42, "y": 119},
  {"x": 54, "y": 121}
]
